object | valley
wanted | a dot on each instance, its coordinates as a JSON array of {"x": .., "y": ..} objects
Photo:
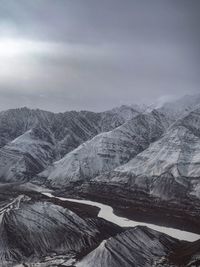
[{"x": 118, "y": 188}]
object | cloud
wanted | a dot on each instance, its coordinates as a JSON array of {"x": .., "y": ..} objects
[{"x": 98, "y": 54}]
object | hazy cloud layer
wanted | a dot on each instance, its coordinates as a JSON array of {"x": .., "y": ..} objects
[{"x": 95, "y": 54}]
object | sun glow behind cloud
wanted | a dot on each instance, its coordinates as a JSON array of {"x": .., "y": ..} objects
[
  {"x": 24, "y": 60},
  {"x": 19, "y": 48},
  {"x": 12, "y": 48},
  {"x": 19, "y": 58}
]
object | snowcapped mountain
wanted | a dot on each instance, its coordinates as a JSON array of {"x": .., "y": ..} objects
[
  {"x": 108, "y": 150},
  {"x": 69, "y": 129},
  {"x": 126, "y": 112},
  {"x": 15, "y": 122},
  {"x": 84, "y": 144},
  {"x": 26, "y": 155},
  {"x": 30, "y": 140},
  {"x": 170, "y": 167},
  {"x": 140, "y": 161},
  {"x": 180, "y": 107}
]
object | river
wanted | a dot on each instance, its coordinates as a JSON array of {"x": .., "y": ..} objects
[{"x": 106, "y": 212}]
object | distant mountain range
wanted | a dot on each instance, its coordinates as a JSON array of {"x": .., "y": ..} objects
[{"x": 159, "y": 148}]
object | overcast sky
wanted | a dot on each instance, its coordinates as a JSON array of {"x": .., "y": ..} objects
[{"x": 96, "y": 54}]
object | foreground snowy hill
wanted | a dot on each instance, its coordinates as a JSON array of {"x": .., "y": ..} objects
[
  {"x": 137, "y": 247},
  {"x": 36, "y": 232},
  {"x": 107, "y": 150}
]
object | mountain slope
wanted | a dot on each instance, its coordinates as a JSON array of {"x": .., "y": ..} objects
[
  {"x": 27, "y": 155},
  {"x": 169, "y": 168},
  {"x": 69, "y": 129},
  {"x": 15, "y": 122},
  {"x": 32, "y": 139},
  {"x": 181, "y": 107},
  {"x": 137, "y": 247},
  {"x": 33, "y": 231},
  {"x": 107, "y": 150}
]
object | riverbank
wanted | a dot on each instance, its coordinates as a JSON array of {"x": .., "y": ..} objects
[
  {"x": 183, "y": 214},
  {"x": 107, "y": 213}
]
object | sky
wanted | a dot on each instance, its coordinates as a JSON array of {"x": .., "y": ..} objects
[{"x": 63, "y": 55}]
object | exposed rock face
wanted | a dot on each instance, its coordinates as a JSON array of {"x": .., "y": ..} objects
[
  {"x": 137, "y": 247},
  {"x": 137, "y": 155},
  {"x": 108, "y": 150},
  {"x": 26, "y": 155},
  {"x": 30, "y": 140},
  {"x": 32, "y": 230},
  {"x": 67, "y": 131},
  {"x": 186, "y": 254},
  {"x": 69, "y": 128},
  {"x": 15, "y": 122},
  {"x": 35, "y": 232},
  {"x": 169, "y": 168}
]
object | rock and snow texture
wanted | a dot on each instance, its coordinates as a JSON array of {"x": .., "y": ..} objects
[
  {"x": 30, "y": 140},
  {"x": 39, "y": 233},
  {"x": 108, "y": 150},
  {"x": 180, "y": 107},
  {"x": 136, "y": 247},
  {"x": 31, "y": 230},
  {"x": 69, "y": 128},
  {"x": 26, "y": 155},
  {"x": 169, "y": 167},
  {"x": 126, "y": 132}
]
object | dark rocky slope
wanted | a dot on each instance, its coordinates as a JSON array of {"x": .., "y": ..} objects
[
  {"x": 32, "y": 230},
  {"x": 142, "y": 247}
]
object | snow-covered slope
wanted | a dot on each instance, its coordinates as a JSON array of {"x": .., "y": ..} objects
[
  {"x": 180, "y": 107},
  {"x": 115, "y": 136},
  {"x": 36, "y": 232},
  {"x": 31, "y": 230},
  {"x": 126, "y": 112},
  {"x": 69, "y": 129},
  {"x": 137, "y": 247},
  {"x": 26, "y": 155},
  {"x": 170, "y": 167},
  {"x": 143, "y": 247},
  {"x": 31, "y": 139},
  {"x": 15, "y": 122},
  {"x": 108, "y": 150}
]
